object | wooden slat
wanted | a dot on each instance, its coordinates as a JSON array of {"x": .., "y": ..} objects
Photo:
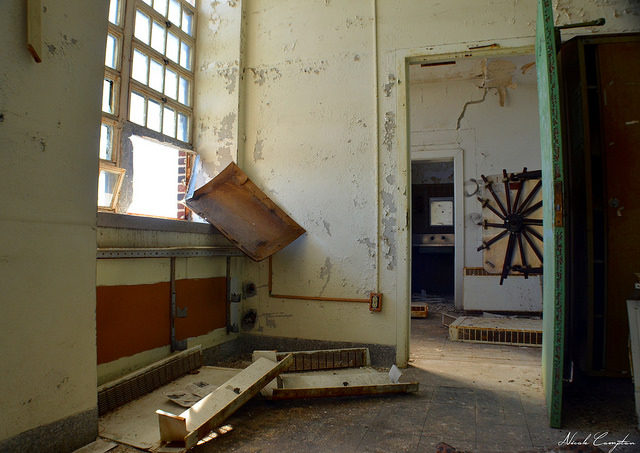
[
  {"x": 356, "y": 390},
  {"x": 197, "y": 421}
]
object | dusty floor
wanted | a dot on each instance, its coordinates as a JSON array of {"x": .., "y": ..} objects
[{"x": 474, "y": 397}]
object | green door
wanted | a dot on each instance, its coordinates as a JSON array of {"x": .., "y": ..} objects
[{"x": 553, "y": 295}]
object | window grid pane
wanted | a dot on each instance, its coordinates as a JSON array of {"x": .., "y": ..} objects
[
  {"x": 169, "y": 122},
  {"x": 114, "y": 9},
  {"x": 187, "y": 22},
  {"x": 173, "y": 47},
  {"x": 174, "y": 12},
  {"x": 158, "y": 37},
  {"x": 183, "y": 128},
  {"x": 171, "y": 84},
  {"x": 160, "y": 6},
  {"x": 183, "y": 91},
  {"x": 108, "y": 96},
  {"x": 154, "y": 115},
  {"x": 142, "y": 28},
  {"x": 156, "y": 76},
  {"x": 106, "y": 142},
  {"x": 140, "y": 67},
  {"x": 185, "y": 55},
  {"x": 111, "y": 56},
  {"x": 137, "y": 110}
]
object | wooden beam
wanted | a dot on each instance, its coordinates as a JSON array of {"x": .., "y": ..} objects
[
  {"x": 356, "y": 390},
  {"x": 208, "y": 413}
]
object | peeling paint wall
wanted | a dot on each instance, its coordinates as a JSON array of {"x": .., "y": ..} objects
[
  {"x": 323, "y": 131},
  {"x": 308, "y": 81},
  {"x": 217, "y": 79},
  {"x": 49, "y": 131}
]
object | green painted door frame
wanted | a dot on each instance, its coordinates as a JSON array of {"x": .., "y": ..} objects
[{"x": 553, "y": 296}]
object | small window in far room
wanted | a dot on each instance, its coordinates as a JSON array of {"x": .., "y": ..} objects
[{"x": 146, "y": 148}]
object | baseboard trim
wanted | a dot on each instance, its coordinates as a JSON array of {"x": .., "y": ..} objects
[{"x": 65, "y": 435}]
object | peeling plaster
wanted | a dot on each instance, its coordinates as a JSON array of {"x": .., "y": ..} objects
[
  {"x": 388, "y": 87},
  {"x": 371, "y": 246},
  {"x": 389, "y": 130},
  {"x": 230, "y": 73},
  {"x": 327, "y": 227},
  {"x": 389, "y": 224},
  {"x": 262, "y": 74},
  {"x": 356, "y": 21},
  {"x": 325, "y": 272},
  {"x": 391, "y": 179},
  {"x": 225, "y": 132},
  {"x": 257, "y": 149},
  {"x": 389, "y": 227},
  {"x": 316, "y": 67}
]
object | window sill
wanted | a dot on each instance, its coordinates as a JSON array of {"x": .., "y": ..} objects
[{"x": 134, "y": 222}]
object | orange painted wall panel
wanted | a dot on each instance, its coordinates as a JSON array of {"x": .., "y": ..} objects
[
  {"x": 135, "y": 318},
  {"x": 131, "y": 319},
  {"x": 206, "y": 307}
]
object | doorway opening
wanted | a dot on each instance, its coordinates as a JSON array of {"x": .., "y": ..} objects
[{"x": 433, "y": 234}]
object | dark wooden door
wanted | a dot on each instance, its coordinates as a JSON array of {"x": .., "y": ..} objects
[{"x": 619, "y": 79}]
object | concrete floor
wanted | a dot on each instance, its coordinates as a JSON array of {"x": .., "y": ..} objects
[{"x": 474, "y": 397}]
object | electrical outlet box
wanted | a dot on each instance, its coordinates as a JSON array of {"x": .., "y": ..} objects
[{"x": 375, "y": 302}]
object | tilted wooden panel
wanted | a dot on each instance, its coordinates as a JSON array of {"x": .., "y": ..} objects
[{"x": 244, "y": 214}]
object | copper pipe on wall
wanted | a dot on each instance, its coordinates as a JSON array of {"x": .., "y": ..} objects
[{"x": 317, "y": 298}]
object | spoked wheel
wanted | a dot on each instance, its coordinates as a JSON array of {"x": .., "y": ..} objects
[{"x": 518, "y": 218}]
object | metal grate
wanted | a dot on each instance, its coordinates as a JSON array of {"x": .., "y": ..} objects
[
  {"x": 328, "y": 359},
  {"x": 499, "y": 336},
  {"x": 122, "y": 391}
]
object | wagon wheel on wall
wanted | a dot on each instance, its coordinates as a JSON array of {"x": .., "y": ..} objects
[{"x": 515, "y": 221}]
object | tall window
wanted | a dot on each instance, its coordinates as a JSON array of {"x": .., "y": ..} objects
[{"x": 147, "y": 107}]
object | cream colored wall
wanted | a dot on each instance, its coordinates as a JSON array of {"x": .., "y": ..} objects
[
  {"x": 309, "y": 120},
  {"x": 320, "y": 105},
  {"x": 48, "y": 164}
]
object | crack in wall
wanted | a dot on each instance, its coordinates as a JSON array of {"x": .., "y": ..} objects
[{"x": 467, "y": 104}]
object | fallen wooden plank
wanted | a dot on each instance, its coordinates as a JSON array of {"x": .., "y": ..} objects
[
  {"x": 197, "y": 421},
  {"x": 356, "y": 390}
]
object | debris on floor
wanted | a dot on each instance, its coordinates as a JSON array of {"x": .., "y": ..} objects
[
  {"x": 503, "y": 330},
  {"x": 136, "y": 423},
  {"x": 447, "y": 319},
  {"x": 97, "y": 446},
  {"x": 213, "y": 394},
  {"x": 191, "y": 394},
  {"x": 419, "y": 310},
  {"x": 197, "y": 422}
]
